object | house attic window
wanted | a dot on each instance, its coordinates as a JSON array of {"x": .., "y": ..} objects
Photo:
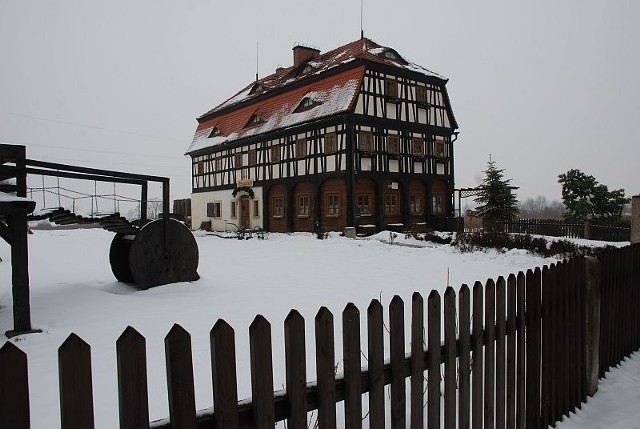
[
  {"x": 257, "y": 87},
  {"x": 255, "y": 119},
  {"x": 307, "y": 103},
  {"x": 215, "y": 132}
]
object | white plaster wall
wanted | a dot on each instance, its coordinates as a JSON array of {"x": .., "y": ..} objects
[{"x": 200, "y": 200}]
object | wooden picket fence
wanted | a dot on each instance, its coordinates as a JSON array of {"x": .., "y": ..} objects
[
  {"x": 512, "y": 356},
  {"x": 562, "y": 228}
]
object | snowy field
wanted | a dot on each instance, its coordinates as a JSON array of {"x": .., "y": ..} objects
[{"x": 73, "y": 290}]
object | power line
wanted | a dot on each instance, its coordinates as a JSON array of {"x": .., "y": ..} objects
[{"x": 76, "y": 124}]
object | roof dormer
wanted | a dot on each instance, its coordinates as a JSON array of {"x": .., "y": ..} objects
[
  {"x": 307, "y": 103},
  {"x": 255, "y": 119},
  {"x": 256, "y": 88},
  {"x": 215, "y": 132}
]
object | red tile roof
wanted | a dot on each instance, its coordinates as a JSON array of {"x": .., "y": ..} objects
[
  {"x": 335, "y": 94},
  {"x": 360, "y": 49}
]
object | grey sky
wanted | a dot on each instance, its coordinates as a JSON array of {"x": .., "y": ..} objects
[{"x": 542, "y": 86}]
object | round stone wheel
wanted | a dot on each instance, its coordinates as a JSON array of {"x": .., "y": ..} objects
[
  {"x": 119, "y": 257},
  {"x": 163, "y": 253}
]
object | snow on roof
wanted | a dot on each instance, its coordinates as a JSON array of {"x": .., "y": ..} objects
[
  {"x": 332, "y": 96},
  {"x": 360, "y": 49}
]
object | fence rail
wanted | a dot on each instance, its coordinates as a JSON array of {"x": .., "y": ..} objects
[{"x": 518, "y": 360}]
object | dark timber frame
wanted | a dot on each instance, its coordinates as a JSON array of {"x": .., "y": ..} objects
[{"x": 14, "y": 231}]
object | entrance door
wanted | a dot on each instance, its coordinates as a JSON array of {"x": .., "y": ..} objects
[{"x": 245, "y": 216}]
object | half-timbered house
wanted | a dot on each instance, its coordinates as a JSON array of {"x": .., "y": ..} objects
[{"x": 358, "y": 136}]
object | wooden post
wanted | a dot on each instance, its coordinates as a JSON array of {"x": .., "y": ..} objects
[
  {"x": 182, "y": 404},
  {"x": 325, "y": 369},
  {"x": 587, "y": 229},
  {"x": 76, "y": 392},
  {"x": 376, "y": 365},
  {"x": 133, "y": 397},
  {"x": 464, "y": 317},
  {"x": 417, "y": 361},
  {"x": 477, "y": 357},
  {"x": 296, "y": 372},
  {"x": 223, "y": 375},
  {"x": 20, "y": 275},
  {"x": 261, "y": 373},
  {"x": 143, "y": 200},
  {"x": 635, "y": 219},
  {"x": 352, "y": 364},
  {"x": 591, "y": 295},
  {"x": 14, "y": 388},
  {"x": 434, "y": 310},
  {"x": 397, "y": 352}
]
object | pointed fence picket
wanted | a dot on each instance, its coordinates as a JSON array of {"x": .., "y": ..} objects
[{"x": 494, "y": 375}]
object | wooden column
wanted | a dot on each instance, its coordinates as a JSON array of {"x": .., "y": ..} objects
[{"x": 635, "y": 219}]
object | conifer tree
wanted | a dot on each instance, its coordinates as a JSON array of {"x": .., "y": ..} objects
[{"x": 497, "y": 202}]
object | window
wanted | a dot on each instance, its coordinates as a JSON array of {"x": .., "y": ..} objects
[
  {"x": 200, "y": 167},
  {"x": 256, "y": 88},
  {"x": 234, "y": 211},
  {"x": 363, "y": 203},
  {"x": 437, "y": 204},
  {"x": 333, "y": 204},
  {"x": 390, "y": 204},
  {"x": 307, "y": 103},
  {"x": 275, "y": 153},
  {"x": 278, "y": 206},
  {"x": 256, "y": 208},
  {"x": 214, "y": 209},
  {"x": 255, "y": 120},
  {"x": 218, "y": 163},
  {"x": 365, "y": 141},
  {"x": 330, "y": 143},
  {"x": 253, "y": 157},
  {"x": 391, "y": 88},
  {"x": 439, "y": 148},
  {"x": 238, "y": 160},
  {"x": 415, "y": 204},
  {"x": 393, "y": 144},
  {"x": 301, "y": 148},
  {"x": 421, "y": 94},
  {"x": 215, "y": 132},
  {"x": 417, "y": 146},
  {"x": 303, "y": 205},
  {"x": 390, "y": 55}
]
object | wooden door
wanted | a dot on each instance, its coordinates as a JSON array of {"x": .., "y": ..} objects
[{"x": 245, "y": 215}]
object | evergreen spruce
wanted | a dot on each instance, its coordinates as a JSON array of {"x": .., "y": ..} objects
[{"x": 497, "y": 202}]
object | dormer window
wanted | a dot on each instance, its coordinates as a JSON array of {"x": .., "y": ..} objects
[
  {"x": 255, "y": 119},
  {"x": 215, "y": 132},
  {"x": 257, "y": 87},
  {"x": 307, "y": 103},
  {"x": 388, "y": 54}
]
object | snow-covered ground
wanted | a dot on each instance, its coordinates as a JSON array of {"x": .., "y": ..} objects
[{"x": 73, "y": 290}]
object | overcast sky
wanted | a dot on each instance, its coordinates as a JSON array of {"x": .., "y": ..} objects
[{"x": 542, "y": 86}]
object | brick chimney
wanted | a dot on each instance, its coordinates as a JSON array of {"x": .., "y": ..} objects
[{"x": 303, "y": 53}]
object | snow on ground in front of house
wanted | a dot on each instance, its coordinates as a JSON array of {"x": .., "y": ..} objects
[{"x": 73, "y": 290}]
